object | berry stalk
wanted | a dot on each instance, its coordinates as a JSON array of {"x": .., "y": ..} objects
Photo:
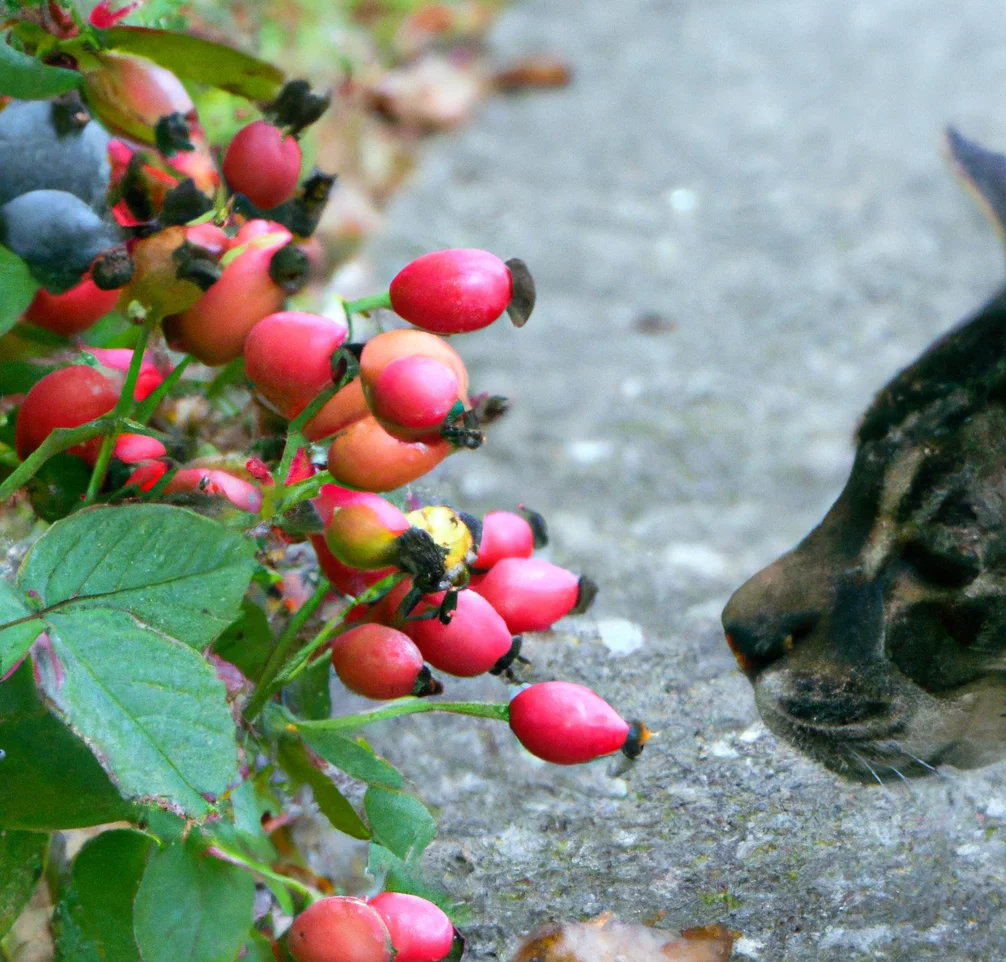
[
  {"x": 125, "y": 405},
  {"x": 265, "y": 687}
]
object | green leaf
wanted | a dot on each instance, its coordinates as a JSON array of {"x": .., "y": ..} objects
[
  {"x": 19, "y": 377},
  {"x": 309, "y": 695},
  {"x": 400, "y": 822},
  {"x": 105, "y": 877},
  {"x": 192, "y": 907},
  {"x": 177, "y": 572},
  {"x": 22, "y": 858},
  {"x": 149, "y": 706},
  {"x": 27, "y": 78},
  {"x": 17, "y": 286},
  {"x": 393, "y": 875},
  {"x": 247, "y": 642},
  {"x": 298, "y": 765},
  {"x": 258, "y": 949},
  {"x": 48, "y": 778},
  {"x": 356, "y": 758},
  {"x": 127, "y": 591},
  {"x": 15, "y": 640},
  {"x": 203, "y": 61}
]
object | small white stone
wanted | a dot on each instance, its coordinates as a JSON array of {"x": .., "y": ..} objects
[
  {"x": 968, "y": 850},
  {"x": 620, "y": 636},
  {"x": 749, "y": 947},
  {"x": 721, "y": 748},
  {"x": 996, "y": 808},
  {"x": 589, "y": 452},
  {"x": 753, "y": 733},
  {"x": 632, "y": 388},
  {"x": 682, "y": 200}
]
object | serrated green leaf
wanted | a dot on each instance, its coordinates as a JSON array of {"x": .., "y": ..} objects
[
  {"x": 356, "y": 759},
  {"x": 16, "y": 639},
  {"x": 191, "y": 907},
  {"x": 400, "y": 822},
  {"x": 22, "y": 858},
  {"x": 17, "y": 286},
  {"x": 48, "y": 778},
  {"x": 180, "y": 573},
  {"x": 151, "y": 708},
  {"x": 393, "y": 875},
  {"x": 203, "y": 61},
  {"x": 27, "y": 78},
  {"x": 296, "y": 762},
  {"x": 105, "y": 877}
]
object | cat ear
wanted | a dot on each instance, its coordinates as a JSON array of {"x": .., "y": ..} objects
[{"x": 983, "y": 174}]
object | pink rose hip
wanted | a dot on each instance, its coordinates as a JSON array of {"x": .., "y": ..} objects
[
  {"x": 532, "y": 595},
  {"x": 339, "y": 929},
  {"x": 413, "y": 395},
  {"x": 288, "y": 357},
  {"x": 420, "y": 931},
  {"x": 263, "y": 164},
  {"x": 452, "y": 291},
  {"x": 565, "y": 723},
  {"x": 474, "y": 641},
  {"x": 504, "y": 535},
  {"x": 380, "y": 662}
]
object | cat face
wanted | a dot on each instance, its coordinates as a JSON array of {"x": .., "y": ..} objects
[{"x": 878, "y": 644}]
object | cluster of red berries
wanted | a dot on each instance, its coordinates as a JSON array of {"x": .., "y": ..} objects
[
  {"x": 405, "y": 928},
  {"x": 389, "y": 410}
]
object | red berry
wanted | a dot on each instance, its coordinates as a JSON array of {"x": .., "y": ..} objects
[
  {"x": 565, "y": 723},
  {"x": 504, "y": 535},
  {"x": 529, "y": 593},
  {"x": 452, "y": 291},
  {"x": 365, "y": 456},
  {"x": 349, "y": 581},
  {"x": 413, "y": 395},
  {"x": 119, "y": 359},
  {"x": 339, "y": 929},
  {"x": 364, "y": 534},
  {"x": 474, "y": 641},
  {"x": 215, "y": 327},
  {"x": 389, "y": 346},
  {"x": 288, "y": 357},
  {"x": 72, "y": 312},
  {"x": 242, "y": 494},
  {"x": 65, "y": 398},
  {"x": 132, "y": 448},
  {"x": 263, "y": 164},
  {"x": 420, "y": 931},
  {"x": 346, "y": 408},
  {"x": 379, "y": 662}
]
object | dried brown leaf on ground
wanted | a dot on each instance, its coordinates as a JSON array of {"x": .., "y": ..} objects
[{"x": 605, "y": 939}]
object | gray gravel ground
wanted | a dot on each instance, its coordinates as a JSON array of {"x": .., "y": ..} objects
[{"x": 741, "y": 226}]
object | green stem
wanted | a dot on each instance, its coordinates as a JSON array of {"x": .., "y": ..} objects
[
  {"x": 59, "y": 440},
  {"x": 146, "y": 408},
  {"x": 266, "y": 685},
  {"x": 229, "y": 855},
  {"x": 123, "y": 406},
  {"x": 409, "y": 706},
  {"x": 306, "y": 489},
  {"x": 301, "y": 661},
  {"x": 365, "y": 304}
]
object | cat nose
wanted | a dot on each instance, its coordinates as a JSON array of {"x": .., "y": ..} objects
[{"x": 767, "y": 617}]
